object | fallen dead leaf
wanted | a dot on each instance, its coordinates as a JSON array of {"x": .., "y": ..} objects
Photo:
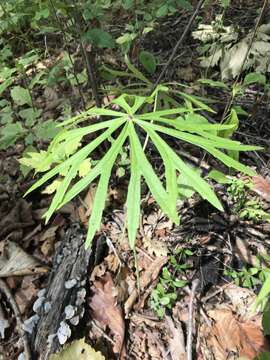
[
  {"x": 261, "y": 187},
  {"x": 229, "y": 337},
  {"x": 105, "y": 310},
  {"x": 176, "y": 341},
  {"x": 15, "y": 261},
  {"x": 155, "y": 247},
  {"x": 147, "y": 277}
]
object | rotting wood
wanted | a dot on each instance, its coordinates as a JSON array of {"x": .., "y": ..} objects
[{"x": 61, "y": 307}]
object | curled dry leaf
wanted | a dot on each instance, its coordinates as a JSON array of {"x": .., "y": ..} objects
[
  {"x": 105, "y": 310},
  {"x": 229, "y": 337},
  {"x": 262, "y": 187},
  {"x": 15, "y": 261}
]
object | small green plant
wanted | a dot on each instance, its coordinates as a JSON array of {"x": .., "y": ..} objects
[
  {"x": 181, "y": 123},
  {"x": 165, "y": 294},
  {"x": 248, "y": 277},
  {"x": 249, "y": 209}
]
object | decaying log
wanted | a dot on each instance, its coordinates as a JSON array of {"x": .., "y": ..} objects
[{"x": 60, "y": 306}]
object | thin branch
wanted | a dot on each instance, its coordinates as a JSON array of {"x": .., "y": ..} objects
[
  {"x": 179, "y": 42},
  {"x": 6, "y": 291}
]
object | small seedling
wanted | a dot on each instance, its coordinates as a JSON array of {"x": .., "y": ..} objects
[{"x": 165, "y": 294}]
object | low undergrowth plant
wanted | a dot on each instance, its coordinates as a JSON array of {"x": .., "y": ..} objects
[
  {"x": 67, "y": 154},
  {"x": 171, "y": 279}
]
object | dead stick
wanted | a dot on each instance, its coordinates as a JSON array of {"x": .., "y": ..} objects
[
  {"x": 194, "y": 286},
  {"x": 6, "y": 291},
  {"x": 179, "y": 42}
]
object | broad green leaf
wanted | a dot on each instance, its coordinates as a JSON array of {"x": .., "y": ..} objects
[
  {"x": 21, "y": 96},
  {"x": 152, "y": 180},
  {"x": 46, "y": 130},
  {"x": 148, "y": 61},
  {"x": 266, "y": 321},
  {"x": 10, "y": 133},
  {"x": 254, "y": 77},
  {"x": 99, "y": 38},
  {"x": 98, "y": 205},
  {"x": 133, "y": 197},
  {"x": 85, "y": 151}
]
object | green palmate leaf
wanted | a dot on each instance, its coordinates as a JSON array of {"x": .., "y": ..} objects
[
  {"x": 200, "y": 185},
  {"x": 80, "y": 155},
  {"x": 152, "y": 180},
  {"x": 98, "y": 205},
  {"x": 196, "y": 101},
  {"x": 106, "y": 162},
  {"x": 93, "y": 112},
  {"x": 201, "y": 141},
  {"x": 210, "y": 146},
  {"x": 62, "y": 188},
  {"x": 133, "y": 196}
]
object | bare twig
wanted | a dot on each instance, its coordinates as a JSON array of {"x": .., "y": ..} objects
[
  {"x": 194, "y": 286},
  {"x": 179, "y": 42},
  {"x": 231, "y": 98},
  {"x": 6, "y": 291}
]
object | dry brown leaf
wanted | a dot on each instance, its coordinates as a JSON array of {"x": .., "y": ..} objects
[
  {"x": 261, "y": 187},
  {"x": 177, "y": 341},
  {"x": 230, "y": 336},
  {"x": 242, "y": 301},
  {"x": 147, "y": 277},
  {"x": 15, "y": 261},
  {"x": 155, "y": 247},
  {"x": 105, "y": 310}
]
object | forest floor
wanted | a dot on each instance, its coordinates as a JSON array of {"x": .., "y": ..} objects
[{"x": 197, "y": 281}]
